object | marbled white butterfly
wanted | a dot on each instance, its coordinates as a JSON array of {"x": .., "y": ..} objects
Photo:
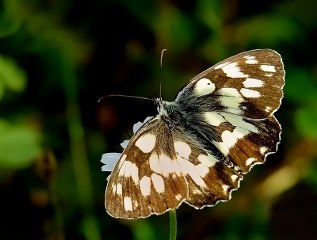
[{"x": 198, "y": 147}]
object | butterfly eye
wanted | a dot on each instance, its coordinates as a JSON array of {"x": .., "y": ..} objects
[{"x": 204, "y": 86}]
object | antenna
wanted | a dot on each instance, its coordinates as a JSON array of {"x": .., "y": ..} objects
[
  {"x": 125, "y": 96},
  {"x": 162, "y": 54}
]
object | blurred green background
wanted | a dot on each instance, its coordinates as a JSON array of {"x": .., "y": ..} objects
[{"x": 57, "y": 58}]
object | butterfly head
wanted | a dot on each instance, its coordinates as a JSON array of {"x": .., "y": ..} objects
[{"x": 165, "y": 109}]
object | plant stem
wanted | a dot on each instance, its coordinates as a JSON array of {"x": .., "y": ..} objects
[{"x": 173, "y": 224}]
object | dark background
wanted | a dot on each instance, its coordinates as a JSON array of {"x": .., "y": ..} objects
[{"x": 57, "y": 58}]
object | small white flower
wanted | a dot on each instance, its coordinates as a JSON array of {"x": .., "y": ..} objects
[{"x": 110, "y": 159}]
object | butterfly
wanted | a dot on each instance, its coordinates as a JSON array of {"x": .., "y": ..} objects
[{"x": 198, "y": 147}]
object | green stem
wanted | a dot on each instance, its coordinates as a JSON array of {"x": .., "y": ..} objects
[{"x": 173, "y": 224}]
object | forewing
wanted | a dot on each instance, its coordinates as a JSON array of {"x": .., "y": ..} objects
[
  {"x": 248, "y": 84},
  {"x": 147, "y": 178}
]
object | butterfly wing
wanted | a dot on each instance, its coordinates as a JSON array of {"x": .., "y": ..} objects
[
  {"x": 162, "y": 167},
  {"x": 147, "y": 178},
  {"x": 248, "y": 84}
]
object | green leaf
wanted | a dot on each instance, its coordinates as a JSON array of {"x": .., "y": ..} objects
[{"x": 19, "y": 145}]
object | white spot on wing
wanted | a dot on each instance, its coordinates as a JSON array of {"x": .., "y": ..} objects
[
  {"x": 178, "y": 197},
  {"x": 183, "y": 149},
  {"x": 240, "y": 132},
  {"x": 231, "y": 92},
  {"x": 158, "y": 182},
  {"x": 238, "y": 121},
  {"x": 118, "y": 189},
  {"x": 225, "y": 188},
  {"x": 146, "y": 142},
  {"x": 221, "y": 65},
  {"x": 155, "y": 163},
  {"x": 263, "y": 150},
  {"x": 268, "y": 109},
  {"x": 213, "y": 118},
  {"x": 252, "y": 82},
  {"x": 234, "y": 111},
  {"x": 268, "y": 74},
  {"x": 190, "y": 169},
  {"x": 114, "y": 188},
  {"x": 207, "y": 160},
  {"x": 228, "y": 139},
  {"x": 233, "y": 71},
  {"x": 268, "y": 68},
  {"x": 163, "y": 164},
  {"x": 249, "y": 57},
  {"x": 204, "y": 86},
  {"x": 129, "y": 169},
  {"x": 231, "y": 98},
  {"x": 251, "y": 61},
  {"x": 202, "y": 169},
  {"x": 250, "y": 93},
  {"x": 127, "y": 203},
  {"x": 250, "y": 161},
  {"x": 234, "y": 177},
  {"x": 166, "y": 165},
  {"x": 135, "y": 203},
  {"x": 145, "y": 186}
]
